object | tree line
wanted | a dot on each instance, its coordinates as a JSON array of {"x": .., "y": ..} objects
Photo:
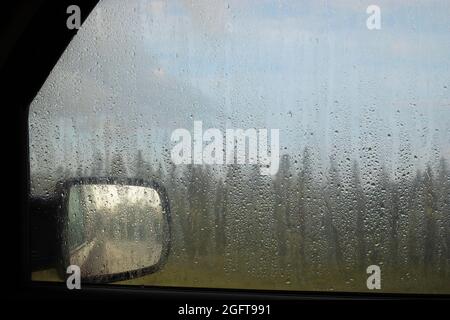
[{"x": 300, "y": 225}]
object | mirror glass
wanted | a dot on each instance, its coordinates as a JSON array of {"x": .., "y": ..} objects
[{"x": 114, "y": 228}]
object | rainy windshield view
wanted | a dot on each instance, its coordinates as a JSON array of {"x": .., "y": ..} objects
[{"x": 282, "y": 145}]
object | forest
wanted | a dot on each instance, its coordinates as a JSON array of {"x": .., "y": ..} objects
[{"x": 302, "y": 229}]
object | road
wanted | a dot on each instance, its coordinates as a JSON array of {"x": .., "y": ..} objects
[{"x": 106, "y": 256}]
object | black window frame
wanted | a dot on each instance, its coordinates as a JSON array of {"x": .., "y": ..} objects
[{"x": 32, "y": 51}]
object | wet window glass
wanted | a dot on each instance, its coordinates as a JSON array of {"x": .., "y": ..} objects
[{"x": 303, "y": 145}]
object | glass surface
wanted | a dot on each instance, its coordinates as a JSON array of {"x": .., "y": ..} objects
[{"x": 363, "y": 118}]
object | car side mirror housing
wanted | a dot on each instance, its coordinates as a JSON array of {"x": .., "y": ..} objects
[{"x": 113, "y": 229}]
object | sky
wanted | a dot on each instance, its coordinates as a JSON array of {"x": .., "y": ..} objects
[{"x": 309, "y": 68}]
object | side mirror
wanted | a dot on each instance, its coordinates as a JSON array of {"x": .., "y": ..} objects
[{"x": 113, "y": 229}]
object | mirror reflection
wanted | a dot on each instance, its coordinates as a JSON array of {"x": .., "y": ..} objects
[{"x": 114, "y": 228}]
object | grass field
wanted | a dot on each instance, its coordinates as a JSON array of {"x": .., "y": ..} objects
[{"x": 213, "y": 273}]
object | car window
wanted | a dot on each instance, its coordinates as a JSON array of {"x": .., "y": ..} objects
[{"x": 303, "y": 145}]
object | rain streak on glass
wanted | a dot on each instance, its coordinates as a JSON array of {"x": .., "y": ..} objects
[{"x": 364, "y": 119}]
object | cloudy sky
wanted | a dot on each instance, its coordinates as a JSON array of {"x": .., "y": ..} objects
[{"x": 309, "y": 68}]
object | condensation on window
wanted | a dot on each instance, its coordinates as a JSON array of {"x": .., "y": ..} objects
[{"x": 364, "y": 122}]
